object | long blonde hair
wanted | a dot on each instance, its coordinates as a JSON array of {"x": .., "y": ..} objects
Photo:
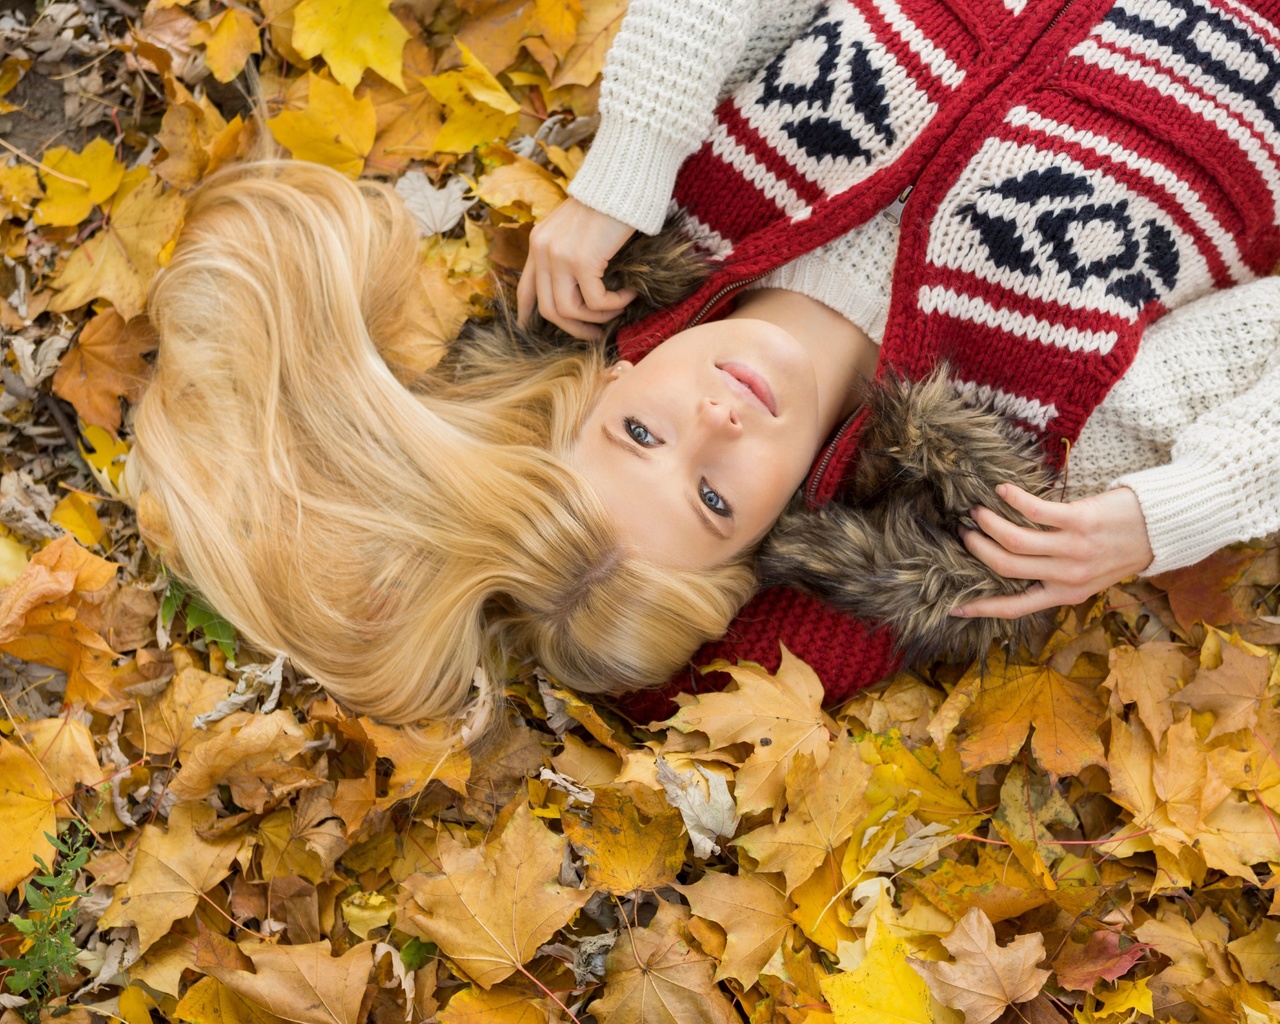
[{"x": 389, "y": 540}]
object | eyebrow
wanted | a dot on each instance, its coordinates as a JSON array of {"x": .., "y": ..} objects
[{"x": 699, "y": 510}]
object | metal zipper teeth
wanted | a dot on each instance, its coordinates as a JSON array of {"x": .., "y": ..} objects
[
  {"x": 1058, "y": 17},
  {"x": 826, "y": 459},
  {"x": 718, "y": 297}
]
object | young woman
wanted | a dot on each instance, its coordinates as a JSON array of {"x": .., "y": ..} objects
[
  {"x": 1071, "y": 173},
  {"x": 528, "y": 500}
]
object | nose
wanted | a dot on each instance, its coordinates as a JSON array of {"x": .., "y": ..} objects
[{"x": 719, "y": 417}]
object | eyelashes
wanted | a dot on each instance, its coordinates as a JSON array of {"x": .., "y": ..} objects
[{"x": 712, "y": 499}]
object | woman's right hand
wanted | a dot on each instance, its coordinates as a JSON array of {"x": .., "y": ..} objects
[{"x": 568, "y": 253}]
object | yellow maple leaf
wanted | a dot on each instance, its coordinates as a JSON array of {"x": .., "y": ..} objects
[
  {"x": 492, "y": 906},
  {"x": 74, "y": 183},
  {"x": 351, "y": 35},
  {"x": 623, "y": 853},
  {"x": 480, "y": 109},
  {"x": 118, "y": 263},
  {"x": 26, "y": 814},
  {"x": 883, "y": 989},
  {"x": 752, "y": 910},
  {"x": 228, "y": 39},
  {"x": 556, "y": 22},
  {"x": 523, "y": 190},
  {"x": 75, "y": 514},
  {"x": 19, "y": 188},
  {"x": 585, "y": 59},
  {"x": 334, "y": 128},
  {"x": 502, "y": 1004},
  {"x": 106, "y": 364},
  {"x": 408, "y": 119}
]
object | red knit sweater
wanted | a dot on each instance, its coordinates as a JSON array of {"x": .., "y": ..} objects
[{"x": 1078, "y": 168}]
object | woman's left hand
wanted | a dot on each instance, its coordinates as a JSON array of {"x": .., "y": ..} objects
[{"x": 1089, "y": 545}]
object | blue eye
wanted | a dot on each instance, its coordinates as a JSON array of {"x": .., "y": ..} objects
[
  {"x": 712, "y": 499},
  {"x": 639, "y": 433}
]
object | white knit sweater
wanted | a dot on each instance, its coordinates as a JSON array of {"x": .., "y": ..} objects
[{"x": 1190, "y": 428}]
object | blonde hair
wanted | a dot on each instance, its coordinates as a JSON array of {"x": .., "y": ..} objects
[{"x": 390, "y": 540}]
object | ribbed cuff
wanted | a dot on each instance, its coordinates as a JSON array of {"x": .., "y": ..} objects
[
  {"x": 853, "y": 296},
  {"x": 1190, "y": 506},
  {"x": 629, "y": 173}
]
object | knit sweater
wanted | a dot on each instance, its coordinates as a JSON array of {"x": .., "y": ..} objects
[{"x": 1186, "y": 427}]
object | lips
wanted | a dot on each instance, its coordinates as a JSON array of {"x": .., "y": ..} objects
[{"x": 751, "y": 383}]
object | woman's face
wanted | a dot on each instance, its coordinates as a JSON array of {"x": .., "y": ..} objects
[{"x": 696, "y": 449}]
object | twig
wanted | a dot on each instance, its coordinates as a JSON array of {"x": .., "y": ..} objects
[{"x": 44, "y": 167}]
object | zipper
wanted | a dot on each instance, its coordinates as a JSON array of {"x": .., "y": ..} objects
[
  {"x": 816, "y": 477},
  {"x": 1058, "y": 17},
  {"x": 719, "y": 296},
  {"x": 893, "y": 212}
]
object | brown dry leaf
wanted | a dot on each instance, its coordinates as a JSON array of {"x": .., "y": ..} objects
[
  {"x": 494, "y": 905},
  {"x": 408, "y": 119},
  {"x": 779, "y": 715},
  {"x": 494, "y": 33},
  {"x": 229, "y": 39},
  {"x": 27, "y": 815},
  {"x": 522, "y": 190},
  {"x": 997, "y": 885},
  {"x": 249, "y": 752},
  {"x": 118, "y": 263},
  {"x": 64, "y": 746},
  {"x": 752, "y": 910},
  {"x": 1258, "y": 953},
  {"x": 172, "y": 869},
  {"x": 305, "y": 841},
  {"x": 167, "y": 722},
  {"x": 623, "y": 853},
  {"x": 105, "y": 365},
  {"x": 985, "y": 977},
  {"x": 305, "y": 984},
  {"x": 1200, "y": 592},
  {"x": 1146, "y": 676},
  {"x": 49, "y": 614},
  {"x": 1233, "y": 691},
  {"x": 654, "y": 975},
  {"x": 419, "y": 755},
  {"x": 1029, "y": 804},
  {"x": 1184, "y": 779},
  {"x": 822, "y": 809},
  {"x": 999, "y": 704}
]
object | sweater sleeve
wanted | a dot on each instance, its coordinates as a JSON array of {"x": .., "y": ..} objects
[
  {"x": 663, "y": 73},
  {"x": 1203, "y": 391}
]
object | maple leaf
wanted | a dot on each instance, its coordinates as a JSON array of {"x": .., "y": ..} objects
[
  {"x": 708, "y": 813},
  {"x": 351, "y": 35},
  {"x": 502, "y": 1004},
  {"x": 822, "y": 809},
  {"x": 1199, "y": 593},
  {"x": 985, "y": 977},
  {"x": 752, "y": 911},
  {"x": 1000, "y": 887},
  {"x": 105, "y": 365},
  {"x": 209, "y": 1001},
  {"x": 654, "y": 976},
  {"x": 556, "y": 23},
  {"x": 623, "y": 853},
  {"x": 48, "y": 616},
  {"x": 883, "y": 989},
  {"x": 1000, "y": 702},
  {"x": 480, "y": 109},
  {"x": 1184, "y": 780},
  {"x": 1233, "y": 691},
  {"x": 118, "y": 263},
  {"x": 64, "y": 746},
  {"x": 229, "y": 39},
  {"x": 83, "y": 180},
  {"x": 407, "y": 119},
  {"x": 305, "y": 983},
  {"x": 419, "y": 755},
  {"x": 27, "y": 815},
  {"x": 251, "y": 754},
  {"x": 816, "y": 900},
  {"x": 166, "y": 723},
  {"x": 334, "y": 128},
  {"x": 435, "y": 210},
  {"x": 172, "y": 869},
  {"x": 1029, "y": 804},
  {"x": 1258, "y": 953},
  {"x": 522, "y": 190},
  {"x": 1104, "y": 955},
  {"x": 1146, "y": 676},
  {"x": 492, "y": 906},
  {"x": 19, "y": 189},
  {"x": 585, "y": 60},
  {"x": 779, "y": 715}
]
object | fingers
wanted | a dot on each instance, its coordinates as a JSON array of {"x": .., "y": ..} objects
[
  {"x": 1046, "y": 513},
  {"x": 1035, "y": 598},
  {"x": 1018, "y": 539},
  {"x": 598, "y": 298},
  {"x": 526, "y": 293},
  {"x": 1003, "y": 561}
]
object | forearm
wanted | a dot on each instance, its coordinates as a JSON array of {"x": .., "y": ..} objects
[{"x": 661, "y": 79}]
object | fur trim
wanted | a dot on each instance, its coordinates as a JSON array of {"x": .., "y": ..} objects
[{"x": 890, "y": 551}]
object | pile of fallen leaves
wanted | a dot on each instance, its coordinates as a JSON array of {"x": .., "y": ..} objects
[{"x": 191, "y": 832}]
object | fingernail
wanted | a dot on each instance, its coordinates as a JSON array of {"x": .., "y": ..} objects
[
  {"x": 1003, "y": 490},
  {"x": 958, "y": 613}
]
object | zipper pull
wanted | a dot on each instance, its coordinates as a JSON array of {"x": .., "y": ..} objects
[{"x": 893, "y": 212}]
